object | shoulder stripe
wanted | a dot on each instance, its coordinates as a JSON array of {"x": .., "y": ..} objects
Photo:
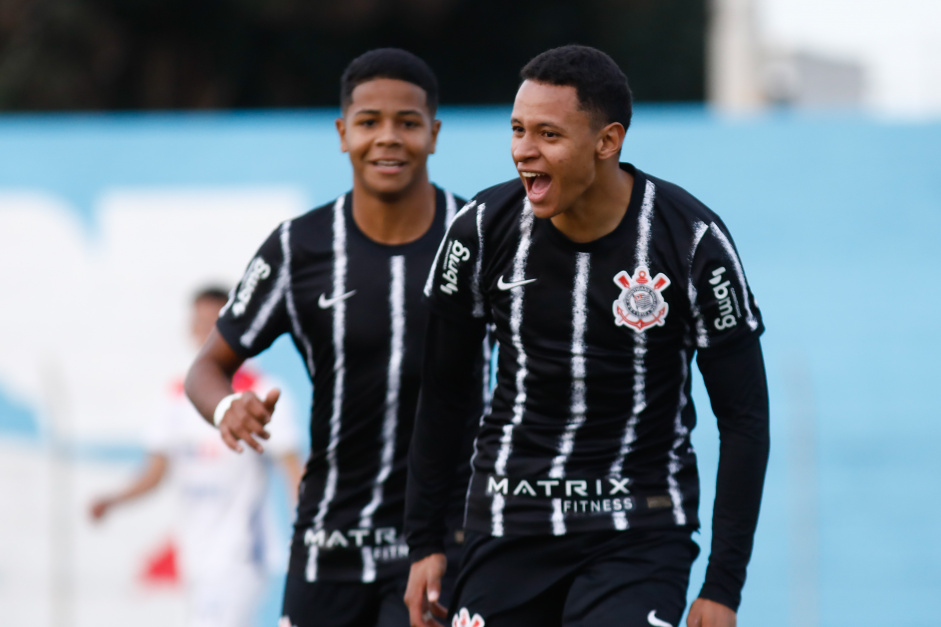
[
  {"x": 434, "y": 265},
  {"x": 291, "y": 306},
  {"x": 478, "y": 311},
  {"x": 267, "y": 309},
  {"x": 739, "y": 273},
  {"x": 702, "y": 337}
]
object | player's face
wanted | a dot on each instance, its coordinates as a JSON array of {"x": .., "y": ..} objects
[
  {"x": 554, "y": 146},
  {"x": 389, "y": 133}
]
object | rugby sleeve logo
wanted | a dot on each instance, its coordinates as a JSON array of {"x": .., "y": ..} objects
[
  {"x": 455, "y": 255},
  {"x": 726, "y": 300},
  {"x": 258, "y": 270}
]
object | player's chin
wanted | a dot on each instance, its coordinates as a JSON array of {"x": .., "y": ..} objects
[
  {"x": 388, "y": 191},
  {"x": 544, "y": 208}
]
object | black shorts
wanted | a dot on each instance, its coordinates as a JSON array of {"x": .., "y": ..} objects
[
  {"x": 344, "y": 603},
  {"x": 633, "y": 578},
  {"x": 357, "y": 604}
]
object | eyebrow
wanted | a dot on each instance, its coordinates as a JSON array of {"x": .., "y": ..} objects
[
  {"x": 515, "y": 120},
  {"x": 378, "y": 112}
]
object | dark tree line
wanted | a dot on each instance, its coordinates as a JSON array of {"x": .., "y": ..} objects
[{"x": 224, "y": 54}]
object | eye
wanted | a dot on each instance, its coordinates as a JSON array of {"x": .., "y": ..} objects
[
  {"x": 410, "y": 124},
  {"x": 550, "y": 134},
  {"x": 518, "y": 130},
  {"x": 367, "y": 122}
]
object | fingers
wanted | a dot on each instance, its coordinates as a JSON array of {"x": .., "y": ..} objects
[
  {"x": 230, "y": 440},
  {"x": 271, "y": 398},
  {"x": 423, "y": 590},
  {"x": 99, "y": 509},
  {"x": 245, "y": 421},
  {"x": 415, "y": 600},
  {"x": 434, "y": 590},
  {"x": 438, "y": 610}
]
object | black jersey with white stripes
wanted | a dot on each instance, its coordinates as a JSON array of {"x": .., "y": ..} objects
[
  {"x": 590, "y": 422},
  {"x": 353, "y": 309}
]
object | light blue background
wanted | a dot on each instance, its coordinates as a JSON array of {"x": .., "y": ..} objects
[{"x": 837, "y": 218}]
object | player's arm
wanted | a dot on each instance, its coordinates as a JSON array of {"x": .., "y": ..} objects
[
  {"x": 452, "y": 351},
  {"x": 738, "y": 391},
  {"x": 149, "y": 478},
  {"x": 209, "y": 387}
]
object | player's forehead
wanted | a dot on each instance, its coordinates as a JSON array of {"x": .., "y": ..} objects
[
  {"x": 544, "y": 103},
  {"x": 387, "y": 96}
]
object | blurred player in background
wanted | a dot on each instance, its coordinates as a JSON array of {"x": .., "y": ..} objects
[
  {"x": 345, "y": 281},
  {"x": 602, "y": 282},
  {"x": 223, "y": 526}
]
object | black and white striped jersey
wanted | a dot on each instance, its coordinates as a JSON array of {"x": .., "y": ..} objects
[
  {"x": 353, "y": 309},
  {"x": 590, "y": 422}
]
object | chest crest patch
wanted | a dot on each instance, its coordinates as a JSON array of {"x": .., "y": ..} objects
[{"x": 641, "y": 304}]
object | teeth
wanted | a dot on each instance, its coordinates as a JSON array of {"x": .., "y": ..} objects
[
  {"x": 391, "y": 163},
  {"x": 531, "y": 174}
]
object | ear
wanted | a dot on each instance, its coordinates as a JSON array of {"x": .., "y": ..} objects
[
  {"x": 341, "y": 130},
  {"x": 435, "y": 127},
  {"x": 610, "y": 139}
]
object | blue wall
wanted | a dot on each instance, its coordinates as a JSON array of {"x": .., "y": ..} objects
[{"x": 836, "y": 218}]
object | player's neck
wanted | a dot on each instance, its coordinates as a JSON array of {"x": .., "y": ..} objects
[
  {"x": 600, "y": 209},
  {"x": 398, "y": 219}
]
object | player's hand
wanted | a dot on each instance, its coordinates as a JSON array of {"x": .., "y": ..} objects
[
  {"x": 99, "y": 508},
  {"x": 424, "y": 590},
  {"x": 706, "y": 613},
  {"x": 246, "y": 420}
]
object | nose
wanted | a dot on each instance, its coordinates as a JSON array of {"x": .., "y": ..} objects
[
  {"x": 523, "y": 148},
  {"x": 388, "y": 134}
]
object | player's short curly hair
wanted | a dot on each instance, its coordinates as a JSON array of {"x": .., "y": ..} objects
[
  {"x": 392, "y": 63},
  {"x": 601, "y": 86}
]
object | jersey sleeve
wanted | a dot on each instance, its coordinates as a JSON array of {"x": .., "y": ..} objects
[
  {"x": 453, "y": 287},
  {"x": 256, "y": 313},
  {"x": 722, "y": 305}
]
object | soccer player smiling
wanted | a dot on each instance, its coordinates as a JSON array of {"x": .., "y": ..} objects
[
  {"x": 345, "y": 281},
  {"x": 388, "y": 132},
  {"x": 601, "y": 284}
]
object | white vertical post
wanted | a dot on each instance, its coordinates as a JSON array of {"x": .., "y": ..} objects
[{"x": 733, "y": 57}]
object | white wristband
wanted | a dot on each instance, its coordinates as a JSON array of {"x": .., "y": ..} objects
[{"x": 223, "y": 407}]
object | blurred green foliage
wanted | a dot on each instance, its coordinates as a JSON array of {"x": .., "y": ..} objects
[{"x": 224, "y": 54}]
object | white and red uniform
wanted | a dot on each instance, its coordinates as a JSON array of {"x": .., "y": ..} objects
[{"x": 226, "y": 536}]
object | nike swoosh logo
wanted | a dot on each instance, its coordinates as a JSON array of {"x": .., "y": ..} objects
[
  {"x": 327, "y": 303},
  {"x": 656, "y": 622},
  {"x": 503, "y": 285}
]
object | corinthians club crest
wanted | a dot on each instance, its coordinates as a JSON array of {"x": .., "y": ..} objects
[{"x": 641, "y": 303}]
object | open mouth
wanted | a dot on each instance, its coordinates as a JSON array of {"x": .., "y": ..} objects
[{"x": 537, "y": 184}]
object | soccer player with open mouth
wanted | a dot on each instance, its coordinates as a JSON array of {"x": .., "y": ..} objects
[
  {"x": 345, "y": 281},
  {"x": 602, "y": 283}
]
